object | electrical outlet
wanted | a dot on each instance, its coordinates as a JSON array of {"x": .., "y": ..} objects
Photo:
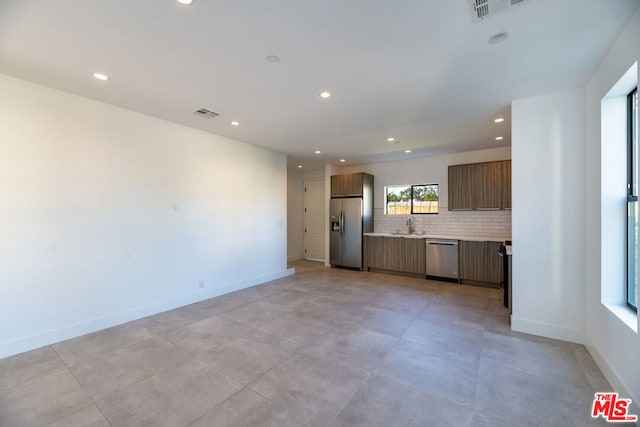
[{"x": 201, "y": 284}]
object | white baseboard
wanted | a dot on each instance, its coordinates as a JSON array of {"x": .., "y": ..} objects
[
  {"x": 547, "y": 330},
  {"x": 614, "y": 379},
  {"x": 31, "y": 342},
  {"x": 294, "y": 257}
]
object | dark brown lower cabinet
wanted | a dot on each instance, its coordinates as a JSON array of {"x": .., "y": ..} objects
[
  {"x": 406, "y": 255},
  {"x": 480, "y": 262},
  {"x": 414, "y": 256}
]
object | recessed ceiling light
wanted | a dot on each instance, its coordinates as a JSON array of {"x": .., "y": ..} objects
[
  {"x": 317, "y": 151},
  {"x": 499, "y": 120},
  {"x": 325, "y": 94},
  {"x": 234, "y": 123},
  {"x": 407, "y": 151},
  {"x": 498, "y": 38},
  {"x": 272, "y": 59},
  {"x": 100, "y": 76},
  {"x": 299, "y": 166},
  {"x": 185, "y": 1},
  {"x": 342, "y": 160},
  {"x": 499, "y": 138},
  {"x": 390, "y": 139}
]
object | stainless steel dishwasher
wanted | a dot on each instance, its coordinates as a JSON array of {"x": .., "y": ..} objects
[{"x": 442, "y": 258}]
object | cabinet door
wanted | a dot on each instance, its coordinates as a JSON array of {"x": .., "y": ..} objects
[
  {"x": 337, "y": 188},
  {"x": 480, "y": 262},
  {"x": 493, "y": 263},
  {"x": 506, "y": 184},
  {"x": 374, "y": 252},
  {"x": 414, "y": 256},
  {"x": 352, "y": 184},
  {"x": 346, "y": 185},
  {"x": 461, "y": 187},
  {"x": 487, "y": 186},
  {"x": 393, "y": 253},
  {"x": 471, "y": 260}
]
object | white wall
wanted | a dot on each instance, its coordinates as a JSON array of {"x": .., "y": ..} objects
[
  {"x": 548, "y": 215},
  {"x": 614, "y": 345},
  {"x": 109, "y": 215},
  {"x": 295, "y": 215}
]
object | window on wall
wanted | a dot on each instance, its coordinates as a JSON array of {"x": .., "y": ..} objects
[
  {"x": 411, "y": 199},
  {"x": 632, "y": 202}
]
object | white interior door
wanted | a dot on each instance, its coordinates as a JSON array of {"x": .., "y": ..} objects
[{"x": 314, "y": 226}]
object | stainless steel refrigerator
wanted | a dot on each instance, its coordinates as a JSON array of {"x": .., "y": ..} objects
[{"x": 350, "y": 218}]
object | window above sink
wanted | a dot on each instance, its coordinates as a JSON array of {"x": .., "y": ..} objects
[{"x": 411, "y": 199}]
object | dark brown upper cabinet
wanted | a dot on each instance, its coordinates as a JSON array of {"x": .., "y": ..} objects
[
  {"x": 480, "y": 186},
  {"x": 348, "y": 185}
]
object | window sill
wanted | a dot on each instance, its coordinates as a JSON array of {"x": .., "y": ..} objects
[{"x": 625, "y": 314}]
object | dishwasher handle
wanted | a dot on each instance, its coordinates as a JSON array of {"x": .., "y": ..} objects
[{"x": 455, "y": 243}]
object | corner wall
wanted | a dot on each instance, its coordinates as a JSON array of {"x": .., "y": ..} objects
[
  {"x": 110, "y": 215},
  {"x": 548, "y": 226},
  {"x": 614, "y": 346}
]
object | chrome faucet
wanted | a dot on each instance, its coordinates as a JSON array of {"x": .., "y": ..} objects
[{"x": 410, "y": 225}]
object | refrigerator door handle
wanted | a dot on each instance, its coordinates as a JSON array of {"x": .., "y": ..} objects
[{"x": 342, "y": 223}]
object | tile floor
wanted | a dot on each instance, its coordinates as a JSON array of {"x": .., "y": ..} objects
[{"x": 326, "y": 347}]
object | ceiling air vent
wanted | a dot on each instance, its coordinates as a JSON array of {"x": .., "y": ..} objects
[
  {"x": 207, "y": 114},
  {"x": 483, "y": 9}
]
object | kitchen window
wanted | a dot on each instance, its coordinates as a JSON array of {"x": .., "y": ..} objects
[
  {"x": 411, "y": 199},
  {"x": 632, "y": 201}
]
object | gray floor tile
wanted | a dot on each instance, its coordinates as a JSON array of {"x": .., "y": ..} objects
[
  {"x": 172, "y": 398},
  {"x": 248, "y": 409},
  {"x": 454, "y": 315},
  {"x": 257, "y": 313},
  {"x": 525, "y": 399},
  {"x": 208, "y": 333},
  {"x": 383, "y": 320},
  {"x": 164, "y": 323},
  {"x": 29, "y": 366},
  {"x": 313, "y": 387},
  {"x": 226, "y": 302},
  {"x": 355, "y": 345},
  {"x": 245, "y": 357},
  {"x": 43, "y": 401},
  {"x": 265, "y": 290},
  {"x": 297, "y": 327},
  {"x": 293, "y": 297},
  {"x": 382, "y": 402},
  {"x": 461, "y": 299},
  {"x": 409, "y": 302},
  {"x": 76, "y": 350},
  {"x": 105, "y": 376},
  {"x": 555, "y": 358},
  {"x": 443, "y": 375},
  {"x": 446, "y": 337},
  {"x": 597, "y": 381},
  {"x": 89, "y": 416}
]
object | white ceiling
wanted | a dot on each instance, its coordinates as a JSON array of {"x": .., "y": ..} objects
[{"x": 418, "y": 70}]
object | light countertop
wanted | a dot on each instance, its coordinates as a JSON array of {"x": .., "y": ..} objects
[{"x": 449, "y": 237}]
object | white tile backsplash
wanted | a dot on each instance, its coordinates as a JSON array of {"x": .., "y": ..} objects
[{"x": 464, "y": 223}]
